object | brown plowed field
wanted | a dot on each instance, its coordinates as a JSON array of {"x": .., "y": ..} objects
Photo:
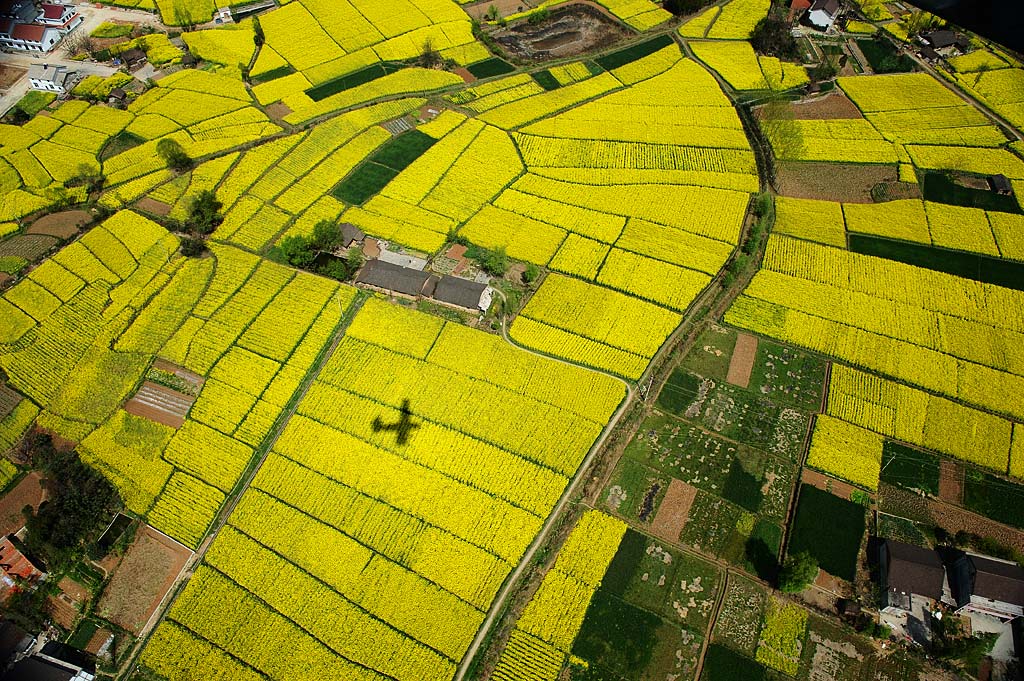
[
  {"x": 160, "y": 404},
  {"x": 62, "y": 225},
  {"x": 27, "y": 492},
  {"x": 674, "y": 511},
  {"x": 742, "y": 361},
  {"x": 149, "y": 569}
]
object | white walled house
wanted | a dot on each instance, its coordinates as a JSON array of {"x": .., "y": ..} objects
[
  {"x": 25, "y": 28},
  {"x": 51, "y": 78},
  {"x": 823, "y": 13}
]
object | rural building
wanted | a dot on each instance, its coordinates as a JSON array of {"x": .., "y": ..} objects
[
  {"x": 15, "y": 566},
  {"x": 55, "y": 662},
  {"x": 351, "y": 235},
  {"x": 51, "y": 78},
  {"x": 463, "y": 293},
  {"x": 909, "y": 573},
  {"x": 988, "y": 586},
  {"x": 823, "y": 13},
  {"x": 395, "y": 279},
  {"x": 797, "y": 9},
  {"x": 117, "y": 96},
  {"x": 14, "y": 641},
  {"x": 945, "y": 42},
  {"x": 401, "y": 259},
  {"x": 28, "y": 28},
  {"x": 131, "y": 57},
  {"x": 1000, "y": 184}
]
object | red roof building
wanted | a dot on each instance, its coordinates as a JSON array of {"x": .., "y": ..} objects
[
  {"x": 14, "y": 564},
  {"x": 798, "y": 7},
  {"x": 28, "y": 32}
]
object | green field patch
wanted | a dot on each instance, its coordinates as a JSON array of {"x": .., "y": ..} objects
[
  {"x": 743, "y": 488},
  {"x": 273, "y": 74},
  {"x": 546, "y": 80},
  {"x": 633, "y": 52},
  {"x": 617, "y": 635},
  {"x": 738, "y": 624},
  {"x": 761, "y": 550},
  {"x": 830, "y": 529},
  {"x": 121, "y": 142},
  {"x": 901, "y": 529},
  {"x": 382, "y": 167},
  {"x": 974, "y": 266},
  {"x": 940, "y": 188},
  {"x": 788, "y": 376},
  {"x": 711, "y": 524},
  {"x": 735, "y": 413},
  {"x": 351, "y": 80},
  {"x": 35, "y": 101},
  {"x": 635, "y": 490},
  {"x": 489, "y": 68},
  {"x": 725, "y": 664},
  {"x": 994, "y": 497},
  {"x": 883, "y": 56},
  {"x": 711, "y": 353},
  {"x": 836, "y": 653},
  {"x": 910, "y": 468},
  {"x": 630, "y": 553}
]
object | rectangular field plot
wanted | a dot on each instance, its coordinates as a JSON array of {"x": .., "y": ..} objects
[
  {"x": 735, "y": 413},
  {"x": 830, "y": 529},
  {"x": 650, "y": 615}
]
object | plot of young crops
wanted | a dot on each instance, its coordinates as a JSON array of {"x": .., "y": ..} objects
[{"x": 401, "y": 544}]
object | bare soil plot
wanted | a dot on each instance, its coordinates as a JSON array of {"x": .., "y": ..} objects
[
  {"x": 148, "y": 571},
  {"x": 160, "y": 404},
  {"x": 98, "y": 640},
  {"x": 9, "y": 75},
  {"x": 278, "y": 111},
  {"x": 505, "y": 7},
  {"x": 896, "y": 191},
  {"x": 463, "y": 73},
  {"x": 830, "y": 107},
  {"x": 9, "y": 399},
  {"x": 572, "y": 30},
  {"x": 827, "y": 484},
  {"x": 63, "y": 611},
  {"x": 742, "y": 362},
  {"x": 953, "y": 519},
  {"x": 845, "y": 182},
  {"x": 28, "y": 492},
  {"x": 674, "y": 511},
  {"x": 153, "y": 206},
  {"x": 195, "y": 379},
  {"x": 63, "y": 225},
  {"x": 951, "y": 482}
]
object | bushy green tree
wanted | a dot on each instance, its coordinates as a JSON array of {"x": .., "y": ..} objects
[
  {"x": 173, "y": 155},
  {"x": 798, "y": 572}
]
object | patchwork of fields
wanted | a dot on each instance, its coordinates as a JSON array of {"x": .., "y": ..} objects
[{"x": 372, "y": 489}]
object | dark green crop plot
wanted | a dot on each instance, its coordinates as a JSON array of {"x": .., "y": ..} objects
[
  {"x": 490, "y": 67},
  {"x": 382, "y": 167},
  {"x": 616, "y": 635},
  {"x": 994, "y": 497},
  {"x": 725, "y": 664},
  {"x": 546, "y": 80},
  {"x": 830, "y": 529},
  {"x": 633, "y": 52},
  {"x": 910, "y": 468},
  {"x": 351, "y": 80},
  {"x": 743, "y": 488},
  {"x": 940, "y": 188}
]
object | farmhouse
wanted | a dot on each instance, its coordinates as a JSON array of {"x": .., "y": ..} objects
[
  {"x": 944, "y": 42},
  {"x": 351, "y": 235},
  {"x": 395, "y": 279},
  {"x": 463, "y": 293},
  {"x": 27, "y": 28},
  {"x": 797, "y": 9},
  {"x": 823, "y": 13},
  {"x": 55, "y": 662},
  {"x": 908, "y": 574},
  {"x": 988, "y": 586},
  {"x": 51, "y": 78},
  {"x": 15, "y": 566}
]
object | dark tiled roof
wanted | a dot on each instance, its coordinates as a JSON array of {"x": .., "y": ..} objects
[
  {"x": 998, "y": 581},
  {"x": 350, "y": 233},
  {"x": 914, "y": 570},
  {"x": 829, "y": 6},
  {"x": 390, "y": 277},
  {"x": 940, "y": 39},
  {"x": 461, "y": 292},
  {"x": 36, "y": 669}
]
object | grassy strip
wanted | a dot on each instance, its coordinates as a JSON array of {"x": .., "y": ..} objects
[
  {"x": 983, "y": 268},
  {"x": 273, "y": 74},
  {"x": 382, "y": 167},
  {"x": 546, "y": 80},
  {"x": 633, "y": 52},
  {"x": 351, "y": 80}
]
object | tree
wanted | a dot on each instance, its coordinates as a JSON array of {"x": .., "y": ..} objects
[
  {"x": 531, "y": 273},
  {"x": 173, "y": 155},
  {"x": 192, "y": 246},
  {"x": 797, "y": 573},
  {"x": 826, "y": 70},
  {"x": 354, "y": 259},
  {"x": 493, "y": 13},
  {"x": 772, "y": 36},
  {"x": 295, "y": 251},
  {"x": 77, "y": 43},
  {"x": 326, "y": 236},
  {"x": 495, "y": 262},
  {"x": 204, "y": 213},
  {"x": 429, "y": 58},
  {"x": 87, "y": 175}
]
